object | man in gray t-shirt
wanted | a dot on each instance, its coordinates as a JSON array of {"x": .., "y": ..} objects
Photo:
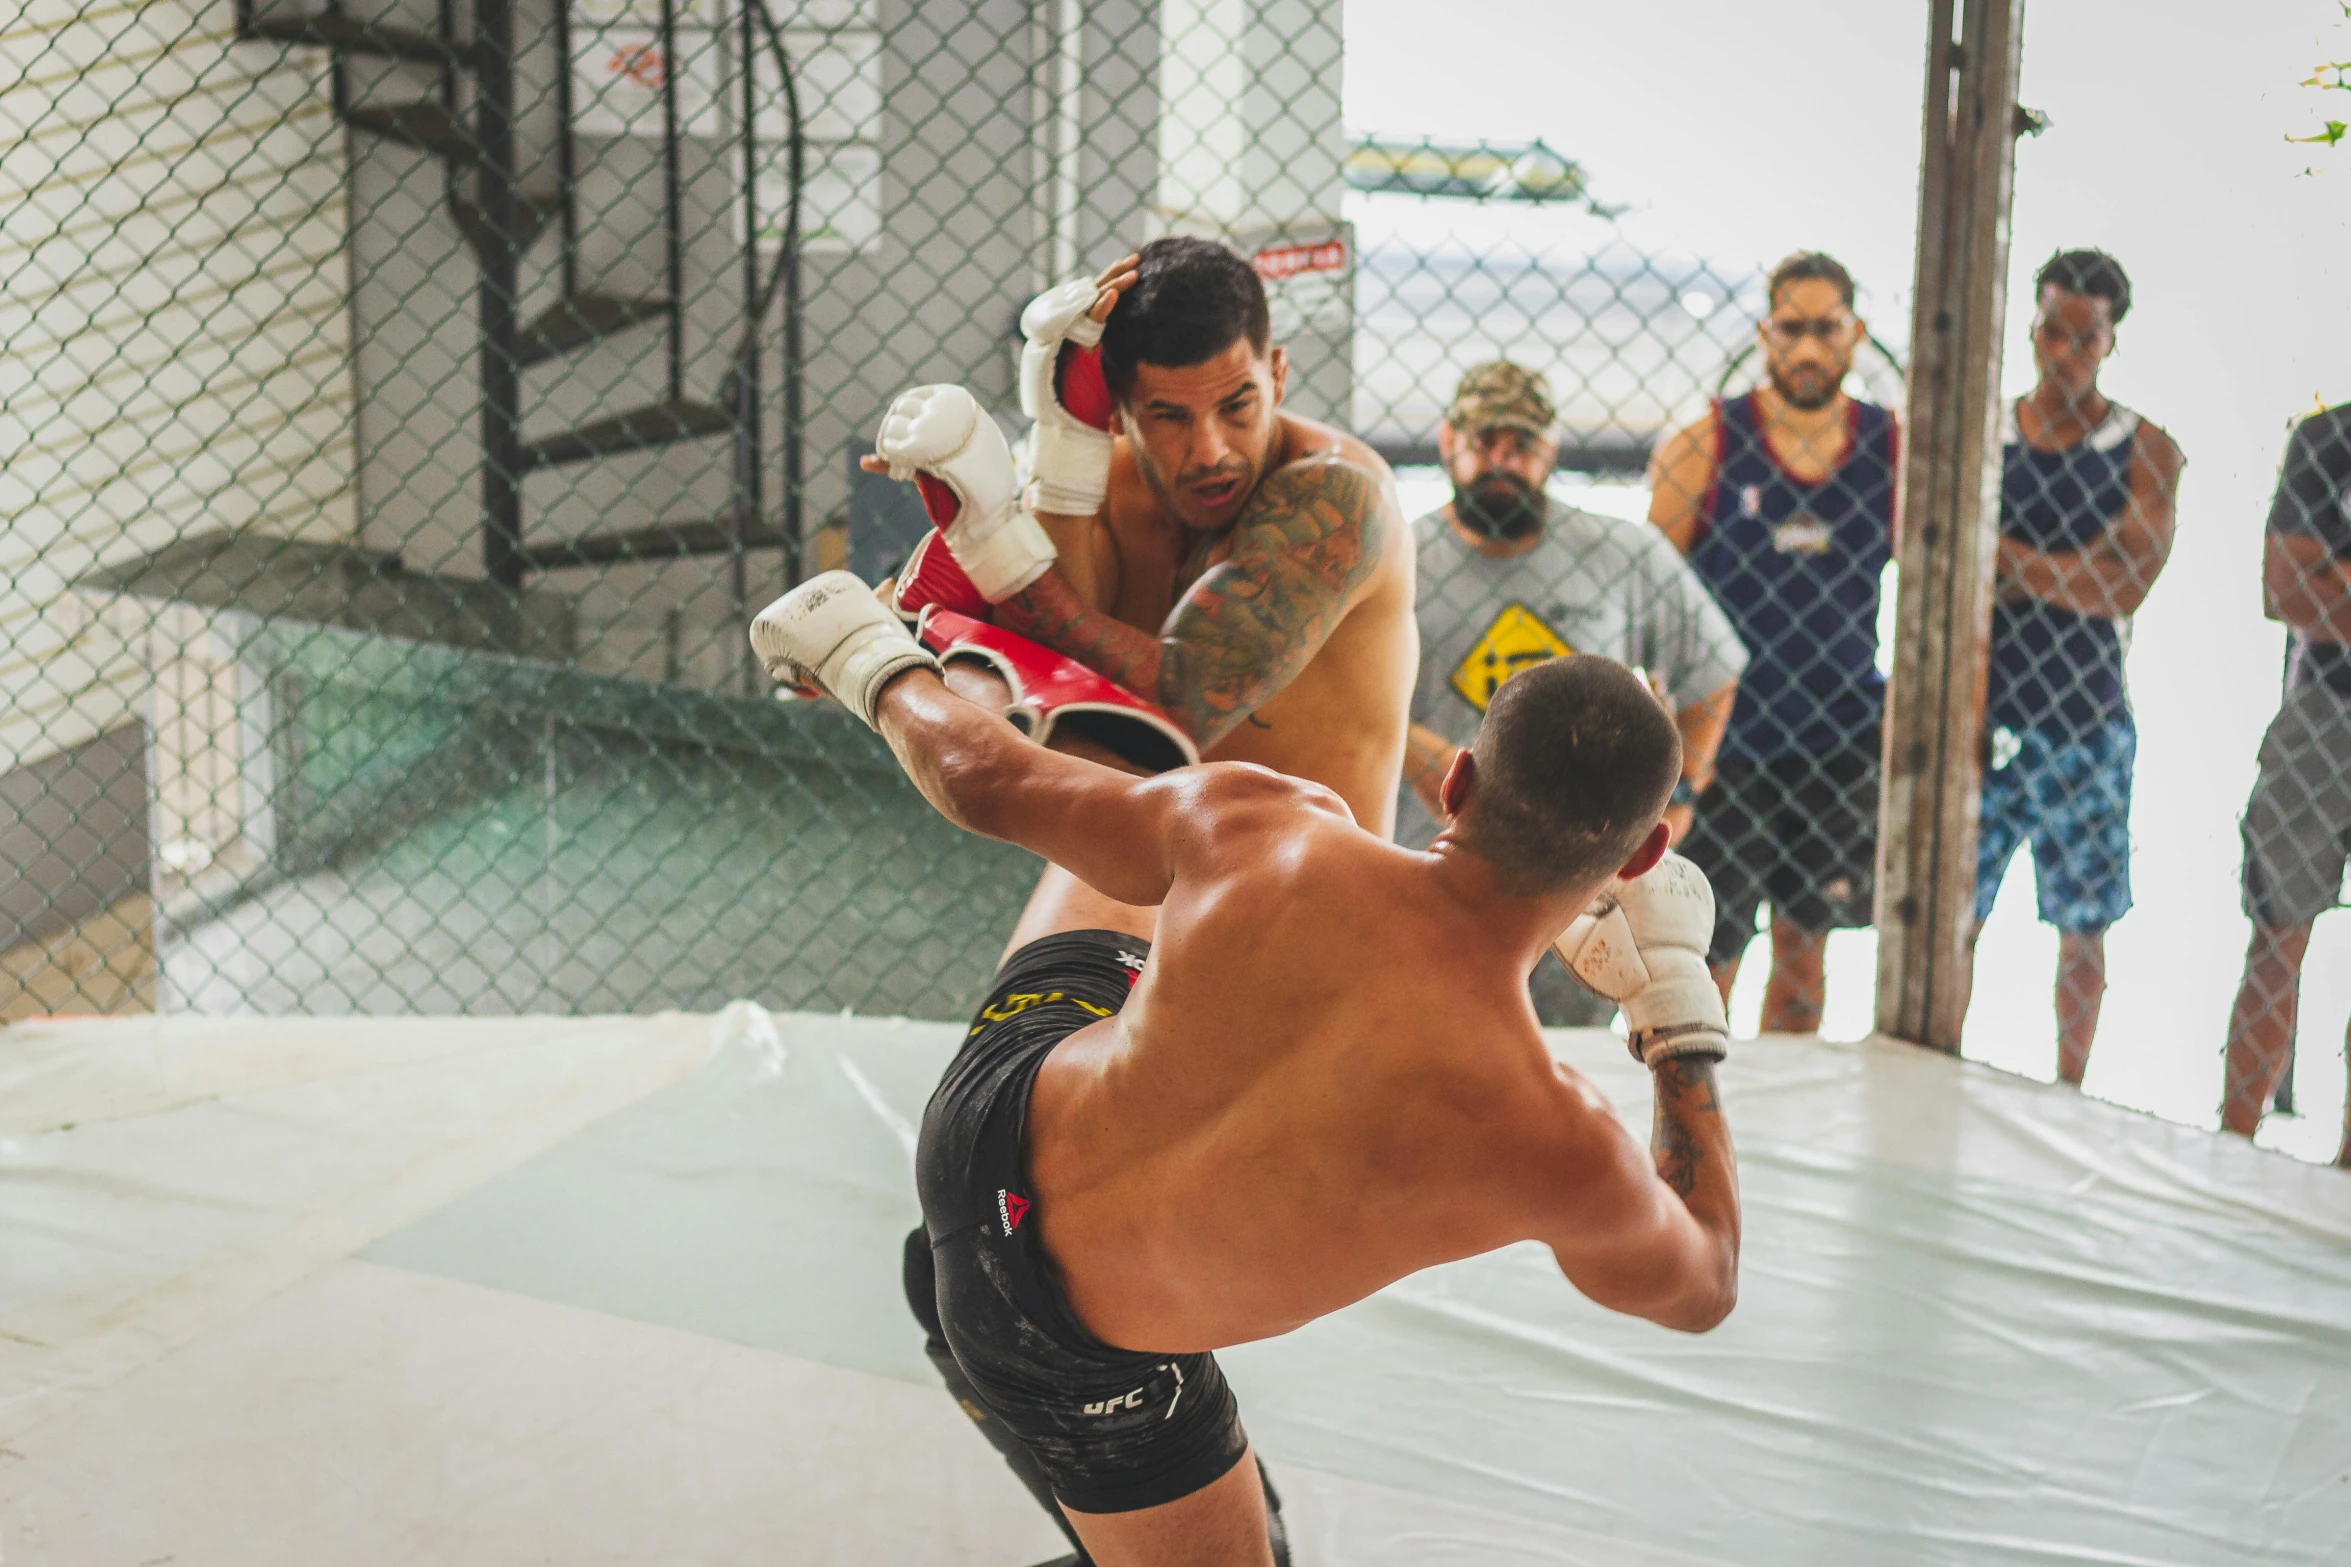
[
  {"x": 1510, "y": 577},
  {"x": 2297, "y": 825}
]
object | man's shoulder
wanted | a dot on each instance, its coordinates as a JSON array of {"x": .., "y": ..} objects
[
  {"x": 2143, "y": 437},
  {"x": 1432, "y": 534},
  {"x": 1236, "y": 795},
  {"x": 1584, "y": 533},
  {"x": 2326, "y": 437},
  {"x": 1699, "y": 429},
  {"x": 1558, "y": 1129},
  {"x": 1248, "y": 822},
  {"x": 1305, "y": 440},
  {"x": 2317, "y": 475},
  {"x": 1875, "y": 421},
  {"x": 1325, "y": 507},
  {"x": 1447, "y": 565}
]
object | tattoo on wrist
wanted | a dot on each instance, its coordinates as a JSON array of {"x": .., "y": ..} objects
[
  {"x": 1051, "y": 612},
  {"x": 1685, "y": 1088}
]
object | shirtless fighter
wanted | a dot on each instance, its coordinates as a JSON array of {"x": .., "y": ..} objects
[
  {"x": 1323, "y": 1075},
  {"x": 1177, "y": 536},
  {"x": 1245, "y": 571}
]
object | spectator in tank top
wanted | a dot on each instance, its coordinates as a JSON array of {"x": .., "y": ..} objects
[
  {"x": 2087, "y": 496},
  {"x": 1783, "y": 500}
]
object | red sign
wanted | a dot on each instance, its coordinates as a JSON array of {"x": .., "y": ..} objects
[
  {"x": 1277, "y": 262},
  {"x": 641, "y": 64}
]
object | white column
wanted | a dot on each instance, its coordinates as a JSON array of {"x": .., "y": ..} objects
[
  {"x": 1251, "y": 151},
  {"x": 1249, "y": 132},
  {"x": 1057, "y": 31}
]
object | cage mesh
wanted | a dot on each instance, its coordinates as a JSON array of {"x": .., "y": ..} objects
[{"x": 406, "y": 405}]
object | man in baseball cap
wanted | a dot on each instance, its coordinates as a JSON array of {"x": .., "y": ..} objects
[{"x": 1510, "y": 577}]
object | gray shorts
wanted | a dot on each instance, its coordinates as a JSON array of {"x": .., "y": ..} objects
[{"x": 2298, "y": 824}]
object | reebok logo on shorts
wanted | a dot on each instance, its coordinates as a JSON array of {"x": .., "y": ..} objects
[{"x": 1010, "y": 1208}]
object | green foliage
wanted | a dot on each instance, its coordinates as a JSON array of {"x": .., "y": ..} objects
[{"x": 2329, "y": 76}]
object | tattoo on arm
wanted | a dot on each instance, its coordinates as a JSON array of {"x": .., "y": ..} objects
[
  {"x": 1310, "y": 536},
  {"x": 1050, "y": 611},
  {"x": 1685, "y": 1088}
]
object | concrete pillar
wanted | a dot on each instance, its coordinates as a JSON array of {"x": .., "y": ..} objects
[{"x": 1251, "y": 152}]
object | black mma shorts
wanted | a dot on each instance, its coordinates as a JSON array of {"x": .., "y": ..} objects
[
  {"x": 1114, "y": 1429},
  {"x": 1797, "y": 832}
]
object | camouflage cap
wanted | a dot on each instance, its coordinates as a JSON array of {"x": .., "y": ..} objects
[{"x": 1499, "y": 395}]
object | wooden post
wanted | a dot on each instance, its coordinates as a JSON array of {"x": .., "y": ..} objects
[{"x": 1950, "y": 510}]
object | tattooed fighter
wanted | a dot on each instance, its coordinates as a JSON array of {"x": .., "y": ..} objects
[
  {"x": 1244, "y": 571},
  {"x": 1184, "y": 569},
  {"x": 1324, "y": 1074}
]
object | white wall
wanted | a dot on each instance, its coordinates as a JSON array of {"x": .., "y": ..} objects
[{"x": 173, "y": 327}]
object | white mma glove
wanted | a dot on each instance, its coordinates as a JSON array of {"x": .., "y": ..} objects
[
  {"x": 1069, "y": 449},
  {"x": 1642, "y": 944},
  {"x": 941, "y": 435},
  {"x": 832, "y": 631}
]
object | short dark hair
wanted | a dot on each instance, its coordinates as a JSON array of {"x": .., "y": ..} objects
[
  {"x": 1192, "y": 299},
  {"x": 1575, "y": 762},
  {"x": 2091, "y": 273},
  {"x": 1804, "y": 265}
]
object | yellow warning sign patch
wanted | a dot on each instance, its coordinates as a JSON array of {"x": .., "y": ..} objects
[{"x": 1514, "y": 641}]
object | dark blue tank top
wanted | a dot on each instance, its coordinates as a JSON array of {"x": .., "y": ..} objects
[
  {"x": 2053, "y": 668},
  {"x": 1797, "y": 568}
]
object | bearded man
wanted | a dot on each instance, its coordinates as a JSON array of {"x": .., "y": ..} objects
[
  {"x": 1509, "y": 576},
  {"x": 1783, "y": 500}
]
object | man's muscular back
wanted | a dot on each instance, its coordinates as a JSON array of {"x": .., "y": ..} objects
[
  {"x": 1316, "y": 1021},
  {"x": 1326, "y": 506},
  {"x": 1328, "y": 1074}
]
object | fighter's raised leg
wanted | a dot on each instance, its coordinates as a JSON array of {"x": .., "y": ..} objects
[
  {"x": 921, "y": 1278},
  {"x": 1224, "y": 1524}
]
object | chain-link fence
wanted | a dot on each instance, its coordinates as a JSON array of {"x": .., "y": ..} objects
[
  {"x": 404, "y": 406},
  {"x": 1737, "y": 557}
]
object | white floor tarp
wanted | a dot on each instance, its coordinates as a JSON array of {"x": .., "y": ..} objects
[{"x": 370, "y": 1291}]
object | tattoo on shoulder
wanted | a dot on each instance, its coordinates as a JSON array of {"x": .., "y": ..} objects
[{"x": 1311, "y": 535}]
